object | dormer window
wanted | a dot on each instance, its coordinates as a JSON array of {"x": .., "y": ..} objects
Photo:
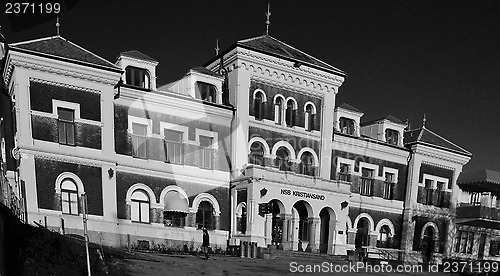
[
  {"x": 206, "y": 92},
  {"x": 137, "y": 77},
  {"x": 347, "y": 126},
  {"x": 391, "y": 137}
]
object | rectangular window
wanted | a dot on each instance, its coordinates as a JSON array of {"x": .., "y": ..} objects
[
  {"x": 428, "y": 191},
  {"x": 366, "y": 187},
  {"x": 139, "y": 139},
  {"x": 344, "y": 172},
  {"x": 206, "y": 152},
  {"x": 392, "y": 137},
  {"x": 69, "y": 202},
  {"x": 347, "y": 126},
  {"x": 389, "y": 186},
  {"x": 66, "y": 126},
  {"x": 174, "y": 150}
]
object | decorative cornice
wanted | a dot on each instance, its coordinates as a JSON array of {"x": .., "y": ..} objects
[
  {"x": 287, "y": 86},
  {"x": 61, "y": 158},
  {"x": 289, "y": 65},
  {"x": 438, "y": 165},
  {"x": 46, "y": 65},
  {"x": 286, "y": 130},
  {"x": 441, "y": 155},
  {"x": 65, "y": 85}
]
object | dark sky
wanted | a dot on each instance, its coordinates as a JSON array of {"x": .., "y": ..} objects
[{"x": 403, "y": 58}]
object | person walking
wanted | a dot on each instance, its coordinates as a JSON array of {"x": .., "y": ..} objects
[{"x": 206, "y": 242}]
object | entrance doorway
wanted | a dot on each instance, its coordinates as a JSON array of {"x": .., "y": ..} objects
[
  {"x": 363, "y": 227},
  {"x": 276, "y": 224},
  {"x": 327, "y": 233},
  {"x": 428, "y": 244}
]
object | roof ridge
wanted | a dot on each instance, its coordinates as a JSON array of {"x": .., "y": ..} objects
[
  {"x": 36, "y": 40},
  {"x": 252, "y": 38},
  {"x": 317, "y": 59},
  {"x": 90, "y": 52},
  {"x": 447, "y": 140}
]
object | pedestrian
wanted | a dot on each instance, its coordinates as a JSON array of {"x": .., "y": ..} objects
[{"x": 206, "y": 242}]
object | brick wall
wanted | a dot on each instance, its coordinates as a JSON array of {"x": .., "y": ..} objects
[
  {"x": 46, "y": 173},
  {"x": 301, "y": 99},
  {"x": 125, "y": 180},
  {"x": 400, "y": 186}
]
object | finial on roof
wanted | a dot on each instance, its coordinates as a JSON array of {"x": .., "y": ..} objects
[
  {"x": 423, "y": 121},
  {"x": 268, "y": 15},
  {"x": 57, "y": 25},
  {"x": 217, "y": 48}
]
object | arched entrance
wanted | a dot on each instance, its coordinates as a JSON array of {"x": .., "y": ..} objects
[
  {"x": 300, "y": 217},
  {"x": 428, "y": 243},
  {"x": 328, "y": 221},
  {"x": 363, "y": 227},
  {"x": 277, "y": 222}
]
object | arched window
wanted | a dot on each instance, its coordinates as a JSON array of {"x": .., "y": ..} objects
[
  {"x": 241, "y": 218},
  {"x": 258, "y": 108},
  {"x": 206, "y": 92},
  {"x": 139, "y": 206},
  {"x": 205, "y": 216},
  {"x": 307, "y": 163},
  {"x": 278, "y": 111},
  {"x": 256, "y": 154},
  {"x": 290, "y": 113},
  {"x": 282, "y": 159},
  {"x": 309, "y": 118},
  {"x": 137, "y": 77},
  {"x": 175, "y": 210},
  {"x": 69, "y": 197},
  {"x": 384, "y": 236}
]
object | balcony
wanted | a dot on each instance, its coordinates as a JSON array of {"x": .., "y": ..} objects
[{"x": 477, "y": 215}]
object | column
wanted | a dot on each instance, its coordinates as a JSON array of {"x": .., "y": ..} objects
[
  {"x": 449, "y": 238},
  {"x": 294, "y": 232},
  {"x": 372, "y": 239},
  {"x": 286, "y": 231},
  {"x": 268, "y": 231},
  {"x": 217, "y": 222},
  {"x": 313, "y": 233},
  {"x": 351, "y": 236},
  {"x": 332, "y": 236}
]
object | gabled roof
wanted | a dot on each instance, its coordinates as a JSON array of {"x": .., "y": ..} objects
[
  {"x": 270, "y": 45},
  {"x": 388, "y": 117},
  {"x": 205, "y": 71},
  {"x": 349, "y": 107},
  {"x": 59, "y": 47},
  {"x": 479, "y": 176},
  {"x": 427, "y": 137},
  {"x": 138, "y": 55}
]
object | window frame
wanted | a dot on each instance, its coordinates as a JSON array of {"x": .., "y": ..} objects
[
  {"x": 140, "y": 206},
  {"x": 279, "y": 109},
  {"x": 69, "y": 202},
  {"x": 342, "y": 126},
  {"x": 211, "y": 94},
  {"x": 309, "y": 116},
  {"x": 144, "y": 79},
  {"x": 64, "y": 123}
]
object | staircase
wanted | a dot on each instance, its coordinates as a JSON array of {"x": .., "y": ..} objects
[{"x": 308, "y": 257}]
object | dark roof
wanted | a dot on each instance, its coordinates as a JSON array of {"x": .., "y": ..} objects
[
  {"x": 204, "y": 70},
  {"x": 427, "y": 137},
  {"x": 58, "y": 46},
  {"x": 388, "y": 117},
  {"x": 478, "y": 176},
  {"x": 270, "y": 45},
  {"x": 349, "y": 107},
  {"x": 138, "y": 55}
]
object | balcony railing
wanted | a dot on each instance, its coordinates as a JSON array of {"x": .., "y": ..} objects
[
  {"x": 366, "y": 187},
  {"x": 481, "y": 212},
  {"x": 344, "y": 176},
  {"x": 388, "y": 190}
]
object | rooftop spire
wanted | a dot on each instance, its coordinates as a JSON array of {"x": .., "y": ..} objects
[
  {"x": 57, "y": 25},
  {"x": 217, "y": 48},
  {"x": 423, "y": 121},
  {"x": 268, "y": 15}
]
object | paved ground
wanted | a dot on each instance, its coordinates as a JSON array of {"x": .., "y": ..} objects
[{"x": 160, "y": 264}]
